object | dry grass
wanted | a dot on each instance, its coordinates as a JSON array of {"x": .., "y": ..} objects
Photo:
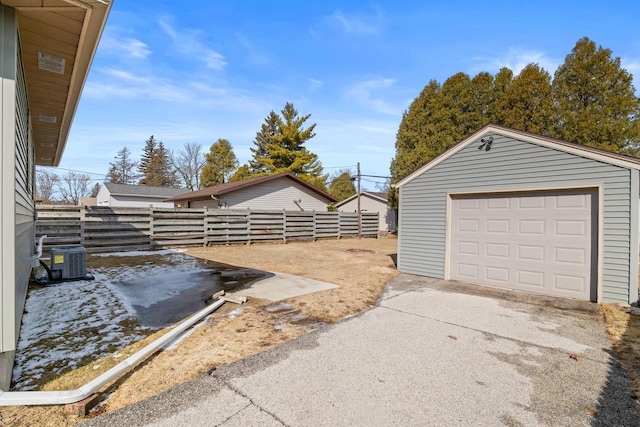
[
  {"x": 361, "y": 276},
  {"x": 624, "y": 331}
]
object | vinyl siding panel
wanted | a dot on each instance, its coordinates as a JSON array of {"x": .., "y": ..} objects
[
  {"x": 514, "y": 165},
  {"x": 371, "y": 204},
  {"x": 276, "y": 194},
  {"x": 25, "y": 223},
  {"x": 139, "y": 202}
]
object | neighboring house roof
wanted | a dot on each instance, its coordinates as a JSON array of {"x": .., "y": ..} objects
[
  {"x": 59, "y": 40},
  {"x": 557, "y": 144},
  {"x": 142, "y": 190},
  {"x": 382, "y": 197},
  {"x": 221, "y": 189}
]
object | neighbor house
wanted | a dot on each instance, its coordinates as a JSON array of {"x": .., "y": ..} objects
[
  {"x": 515, "y": 210},
  {"x": 280, "y": 191},
  {"x": 371, "y": 201},
  {"x": 137, "y": 196},
  {"x": 47, "y": 49}
]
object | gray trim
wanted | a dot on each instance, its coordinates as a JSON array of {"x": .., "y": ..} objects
[{"x": 634, "y": 249}]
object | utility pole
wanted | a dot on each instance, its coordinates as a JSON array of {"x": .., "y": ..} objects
[{"x": 359, "y": 212}]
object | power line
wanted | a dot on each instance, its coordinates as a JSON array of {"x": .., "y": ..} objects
[
  {"x": 74, "y": 170},
  {"x": 339, "y": 167}
]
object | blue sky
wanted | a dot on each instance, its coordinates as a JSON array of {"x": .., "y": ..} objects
[{"x": 215, "y": 69}]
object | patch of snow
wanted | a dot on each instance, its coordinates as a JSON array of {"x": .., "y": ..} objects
[
  {"x": 141, "y": 253},
  {"x": 235, "y": 313},
  {"x": 70, "y": 324}
]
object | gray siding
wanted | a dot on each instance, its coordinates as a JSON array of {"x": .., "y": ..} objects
[
  {"x": 17, "y": 185},
  {"x": 370, "y": 204},
  {"x": 513, "y": 165},
  {"x": 276, "y": 194},
  {"x": 7, "y": 178}
]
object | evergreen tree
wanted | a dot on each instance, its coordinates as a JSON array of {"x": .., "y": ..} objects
[
  {"x": 156, "y": 167},
  {"x": 269, "y": 130},
  {"x": 242, "y": 173},
  {"x": 96, "y": 188},
  {"x": 526, "y": 104},
  {"x": 219, "y": 164},
  {"x": 341, "y": 186},
  {"x": 122, "y": 170},
  {"x": 279, "y": 147},
  {"x": 501, "y": 83},
  {"x": 596, "y": 101},
  {"x": 146, "y": 159}
]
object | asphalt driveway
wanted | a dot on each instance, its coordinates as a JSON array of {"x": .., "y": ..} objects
[{"x": 429, "y": 353}]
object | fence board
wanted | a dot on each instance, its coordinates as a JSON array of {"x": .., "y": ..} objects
[{"x": 103, "y": 229}]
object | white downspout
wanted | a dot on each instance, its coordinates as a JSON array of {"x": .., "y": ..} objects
[
  {"x": 63, "y": 397},
  {"x": 35, "y": 259}
]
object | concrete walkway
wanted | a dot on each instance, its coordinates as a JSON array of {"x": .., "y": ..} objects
[{"x": 430, "y": 353}]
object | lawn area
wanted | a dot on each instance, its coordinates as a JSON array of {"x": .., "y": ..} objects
[{"x": 361, "y": 268}]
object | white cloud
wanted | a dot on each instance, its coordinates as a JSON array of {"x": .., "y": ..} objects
[
  {"x": 127, "y": 46},
  {"x": 631, "y": 65},
  {"x": 188, "y": 42},
  {"x": 254, "y": 55},
  {"x": 315, "y": 84},
  {"x": 356, "y": 23},
  {"x": 515, "y": 59},
  {"x": 366, "y": 92}
]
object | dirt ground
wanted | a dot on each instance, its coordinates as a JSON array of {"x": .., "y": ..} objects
[{"x": 360, "y": 267}]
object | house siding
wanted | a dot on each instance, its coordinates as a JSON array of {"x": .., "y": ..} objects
[
  {"x": 16, "y": 192},
  {"x": 139, "y": 202},
  {"x": 516, "y": 165},
  {"x": 276, "y": 194},
  {"x": 370, "y": 204}
]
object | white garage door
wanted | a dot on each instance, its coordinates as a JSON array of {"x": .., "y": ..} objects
[{"x": 536, "y": 242}]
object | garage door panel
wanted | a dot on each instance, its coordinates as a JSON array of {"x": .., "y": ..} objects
[
  {"x": 539, "y": 242},
  {"x": 531, "y": 278},
  {"x": 531, "y": 253},
  {"x": 534, "y": 227},
  {"x": 531, "y": 203}
]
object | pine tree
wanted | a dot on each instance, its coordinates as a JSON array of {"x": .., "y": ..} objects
[
  {"x": 341, "y": 186},
  {"x": 146, "y": 159},
  {"x": 155, "y": 165},
  {"x": 279, "y": 147},
  {"x": 242, "y": 173},
  {"x": 220, "y": 163},
  {"x": 526, "y": 104},
  {"x": 596, "y": 101},
  {"x": 268, "y": 131},
  {"x": 122, "y": 170}
]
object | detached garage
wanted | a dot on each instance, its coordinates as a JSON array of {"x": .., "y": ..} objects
[{"x": 515, "y": 210}]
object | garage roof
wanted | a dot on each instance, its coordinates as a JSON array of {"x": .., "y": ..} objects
[
  {"x": 59, "y": 39},
  {"x": 569, "y": 147}
]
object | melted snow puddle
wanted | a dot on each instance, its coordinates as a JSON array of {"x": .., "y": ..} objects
[{"x": 71, "y": 324}]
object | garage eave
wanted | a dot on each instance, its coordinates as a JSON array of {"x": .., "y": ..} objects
[{"x": 66, "y": 33}]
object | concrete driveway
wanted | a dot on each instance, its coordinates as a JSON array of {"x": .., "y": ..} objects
[{"x": 430, "y": 353}]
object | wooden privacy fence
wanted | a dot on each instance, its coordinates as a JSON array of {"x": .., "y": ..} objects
[{"x": 107, "y": 229}]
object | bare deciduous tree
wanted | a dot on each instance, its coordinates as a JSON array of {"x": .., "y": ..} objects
[
  {"x": 46, "y": 183},
  {"x": 73, "y": 186},
  {"x": 188, "y": 161}
]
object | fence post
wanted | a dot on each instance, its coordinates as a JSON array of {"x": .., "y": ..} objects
[
  {"x": 151, "y": 228},
  {"x": 82, "y": 219},
  {"x": 249, "y": 227},
  {"x": 315, "y": 226},
  {"x": 205, "y": 217},
  {"x": 284, "y": 225}
]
